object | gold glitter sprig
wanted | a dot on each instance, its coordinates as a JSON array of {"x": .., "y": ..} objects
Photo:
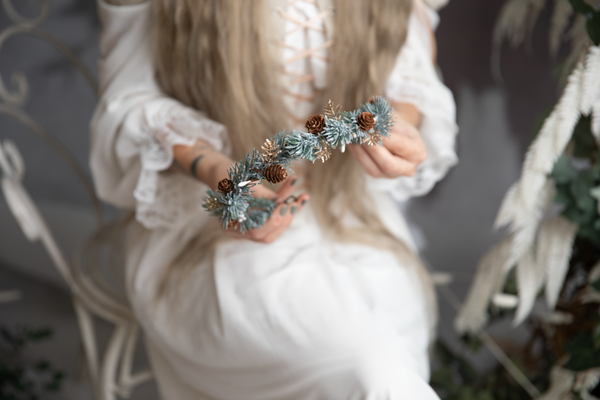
[
  {"x": 212, "y": 203},
  {"x": 325, "y": 153},
  {"x": 373, "y": 139},
  {"x": 331, "y": 110},
  {"x": 270, "y": 151}
]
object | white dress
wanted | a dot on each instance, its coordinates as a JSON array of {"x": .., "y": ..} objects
[{"x": 300, "y": 319}]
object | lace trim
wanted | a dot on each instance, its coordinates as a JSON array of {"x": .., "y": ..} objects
[{"x": 164, "y": 199}]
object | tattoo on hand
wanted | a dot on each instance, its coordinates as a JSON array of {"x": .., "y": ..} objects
[{"x": 193, "y": 165}]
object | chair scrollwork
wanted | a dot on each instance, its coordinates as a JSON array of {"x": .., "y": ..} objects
[{"x": 93, "y": 280}]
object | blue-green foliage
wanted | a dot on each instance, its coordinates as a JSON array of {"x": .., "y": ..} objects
[
  {"x": 575, "y": 176},
  {"x": 341, "y": 132},
  {"x": 301, "y": 145},
  {"x": 240, "y": 206},
  {"x": 384, "y": 112}
]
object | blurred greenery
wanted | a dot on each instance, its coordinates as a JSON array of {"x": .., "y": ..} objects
[
  {"x": 20, "y": 378},
  {"x": 575, "y": 176}
]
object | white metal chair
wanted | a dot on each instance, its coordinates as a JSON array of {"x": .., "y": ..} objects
[{"x": 94, "y": 275}]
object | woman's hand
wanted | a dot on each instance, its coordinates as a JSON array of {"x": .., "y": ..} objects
[
  {"x": 210, "y": 166},
  {"x": 401, "y": 153},
  {"x": 282, "y": 217}
]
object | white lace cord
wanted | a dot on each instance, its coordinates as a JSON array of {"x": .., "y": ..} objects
[{"x": 300, "y": 53}]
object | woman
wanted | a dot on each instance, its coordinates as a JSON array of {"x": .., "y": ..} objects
[{"x": 326, "y": 301}]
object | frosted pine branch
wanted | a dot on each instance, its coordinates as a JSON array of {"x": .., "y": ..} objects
[{"x": 234, "y": 204}]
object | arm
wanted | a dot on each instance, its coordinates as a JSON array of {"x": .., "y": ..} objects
[
  {"x": 423, "y": 138},
  {"x": 124, "y": 2},
  {"x": 210, "y": 166}
]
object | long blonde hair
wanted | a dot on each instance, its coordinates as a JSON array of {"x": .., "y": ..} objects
[{"x": 214, "y": 55}]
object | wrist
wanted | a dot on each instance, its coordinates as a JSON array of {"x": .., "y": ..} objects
[
  {"x": 211, "y": 174},
  {"x": 202, "y": 162}
]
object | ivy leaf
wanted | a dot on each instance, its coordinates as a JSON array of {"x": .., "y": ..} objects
[
  {"x": 593, "y": 19},
  {"x": 595, "y": 193},
  {"x": 581, "y": 7},
  {"x": 563, "y": 172},
  {"x": 467, "y": 372},
  {"x": 443, "y": 378},
  {"x": 583, "y": 140},
  {"x": 42, "y": 365},
  {"x": 573, "y": 214},
  {"x": 583, "y": 354},
  {"x": 36, "y": 335},
  {"x": 443, "y": 353},
  {"x": 580, "y": 188},
  {"x": 593, "y": 28},
  {"x": 563, "y": 195},
  {"x": 597, "y": 329}
]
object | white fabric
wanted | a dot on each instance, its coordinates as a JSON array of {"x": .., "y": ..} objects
[
  {"x": 300, "y": 319},
  {"x": 414, "y": 80}
]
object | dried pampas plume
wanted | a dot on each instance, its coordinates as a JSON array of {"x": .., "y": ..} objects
[{"x": 540, "y": 250}]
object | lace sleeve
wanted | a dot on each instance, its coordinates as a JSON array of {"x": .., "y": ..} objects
[
  {"x": 414, "y": 80},
  {"x": 136, "y": 125},
  {"x": 164, "y": 199}
]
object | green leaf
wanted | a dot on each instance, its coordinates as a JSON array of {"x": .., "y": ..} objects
[
  {"x": 574, "y": 214},
  {"x": 466, "y": 393},
  {"x": 35, "y": 335},
  {"x": 596, "y": 285},
  {"x": 467, "y": 372},
  {"x": 443, "y": 378},
  {"x": 563, "y": 172},
  {"x": 443, "y": 353},
  {"x": 582, "y": 352},
  {"x": 587, "y": 232},
  {"x": 581, "y": 6},
  {"x": 563, "y": 194},
  {"x": 583, "y": 140},
  {"x": 485, "y": 395},
  {"x": 580, "y": 188},
  {"x": 42, "y": 365},
  {"x": 593, "y": 29}
]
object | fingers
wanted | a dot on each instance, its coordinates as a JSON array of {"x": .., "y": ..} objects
[
  {"x": 391, "y": 166},
  {"x": 400, "y": 154},
  {"x": 286, "y": 212},
  {"x": 287, "y": 188},
  {"x": 365, "y": 160},
  {"x": 279, "y": 221},
  {"x": 406, "y": 143}
]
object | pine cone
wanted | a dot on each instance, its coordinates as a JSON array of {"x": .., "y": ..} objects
[
  {"x": 365, "y": 121},
  {"x": 275, "y": 173},
  {"x": 315, "y": 124},
  {"x": 225, "y": 186}
]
